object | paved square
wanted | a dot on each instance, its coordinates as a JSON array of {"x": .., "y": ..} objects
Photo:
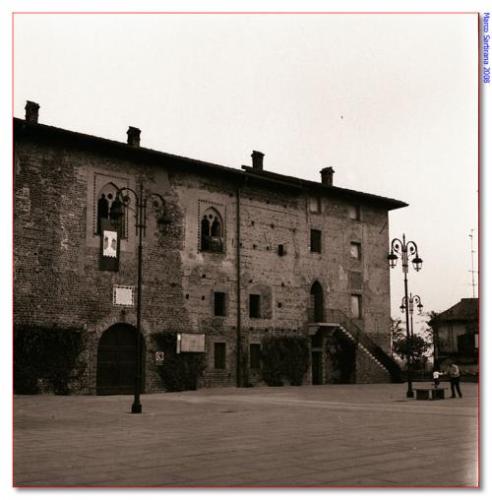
[{"x": 330, "y": 435}]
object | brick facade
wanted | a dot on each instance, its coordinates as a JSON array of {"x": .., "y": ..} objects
[{"x": 58, "y": 178}]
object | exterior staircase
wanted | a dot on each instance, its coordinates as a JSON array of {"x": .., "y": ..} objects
[{"x": 363, "y": 342}]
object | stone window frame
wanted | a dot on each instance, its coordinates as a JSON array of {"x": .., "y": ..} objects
[
  {"x": 358, "y": 246},
  {"x": 203, "y": 206},
  {"x": 124, "y": 227},
  {"x": 97, "y": 178}
]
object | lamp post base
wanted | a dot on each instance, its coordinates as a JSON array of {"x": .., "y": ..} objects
[
  {"x": 410, "y": 393},
  {"x": 136, "y": 408}
]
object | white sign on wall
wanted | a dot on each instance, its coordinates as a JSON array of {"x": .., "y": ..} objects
[
  {"x": 110, "y": 247},
  {"x": 190, "y": 342},
  {"x": 159, "y": 357},
  {"x": 123, "y": 295}
]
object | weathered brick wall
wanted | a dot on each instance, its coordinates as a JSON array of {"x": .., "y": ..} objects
[
  {"x": 57, "y": 276},
  {"x": 269, "y": 219}
]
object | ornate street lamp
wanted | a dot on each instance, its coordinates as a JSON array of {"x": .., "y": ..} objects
[
  {"x": 412, "y": 300},
  {"x": 406, "y": 250},
  {"x": 140, "y": 200}
]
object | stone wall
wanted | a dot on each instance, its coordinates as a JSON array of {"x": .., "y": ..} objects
[{"x": 56, "y": 252}]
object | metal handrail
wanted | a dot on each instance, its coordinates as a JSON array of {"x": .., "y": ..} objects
[{"x": 337, "y": 316}]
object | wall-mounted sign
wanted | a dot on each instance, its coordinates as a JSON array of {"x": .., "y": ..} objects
[
  {"x": 159, "y": 357},
  {"x": 123, "y": 295},
  {"x": 190, "y": 342}
]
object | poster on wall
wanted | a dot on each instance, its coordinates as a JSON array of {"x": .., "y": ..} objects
[{"x": 110, "y": 247}]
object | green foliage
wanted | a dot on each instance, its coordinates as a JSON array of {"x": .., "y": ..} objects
[
  {"x": 284, "y": 358},
  {"x": 179, "y": 372},
  {"x": 46, "y": 353}
]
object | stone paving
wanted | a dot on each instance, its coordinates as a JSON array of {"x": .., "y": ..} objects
[{"x": 331, "y": 435}]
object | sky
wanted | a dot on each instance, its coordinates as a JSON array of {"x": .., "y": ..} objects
[
  {"x": 389, "y": 101},
  {"x": 215, "y": 87}
]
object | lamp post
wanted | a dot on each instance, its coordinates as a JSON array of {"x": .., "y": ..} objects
[
  {"x": 123, "y": 195},
  {"x": 412, "y": 300},
  {"x": 405, "y": 250}
]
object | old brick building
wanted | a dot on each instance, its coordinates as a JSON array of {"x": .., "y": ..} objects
[{"x": 245, "y": 253}]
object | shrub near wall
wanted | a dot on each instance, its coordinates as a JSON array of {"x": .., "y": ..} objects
[
  {"x": 178, "y": 372},
  {"x": 47, "y": 354},
  {"x": 284, "y": 359}
]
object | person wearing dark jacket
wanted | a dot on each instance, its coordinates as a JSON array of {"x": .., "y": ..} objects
[{"x": 454, "y": 378}]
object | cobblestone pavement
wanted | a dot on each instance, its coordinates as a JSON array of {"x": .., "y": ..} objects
[{"x": 331, "y": 435}]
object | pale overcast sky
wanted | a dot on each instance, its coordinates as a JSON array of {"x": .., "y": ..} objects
[{"x": 390, "y": 101}]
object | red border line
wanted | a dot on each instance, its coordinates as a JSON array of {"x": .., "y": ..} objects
[
  {"x": 326, "y": 486},
  {"x": 245, "y": 12}
]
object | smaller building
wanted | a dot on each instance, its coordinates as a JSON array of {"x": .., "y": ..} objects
[{"x": 456, "y": 333}]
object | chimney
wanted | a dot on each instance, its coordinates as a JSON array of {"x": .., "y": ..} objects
[
  {"x": 257, "y": 160},
  {"x": 32, "y": 112},
  {"x": 133, "y": 134},
  {"x": 327, "y": 176}
]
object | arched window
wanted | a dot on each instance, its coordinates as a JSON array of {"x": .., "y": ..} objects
[
  {"x": 316, "y": 304},
  {"x": 108, "y": 206},
  {"x": 205, "y": 233},
  {"x": 211, "y": 231}
]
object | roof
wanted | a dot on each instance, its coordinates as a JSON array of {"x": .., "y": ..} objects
[
  {"x": 24, "y": 129},
  {"x": 464, "y": 310}
]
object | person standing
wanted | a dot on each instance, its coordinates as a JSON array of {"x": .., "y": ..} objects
[
  {"x": 454, "y": 378},
  {"x": 435, "y": 377}
]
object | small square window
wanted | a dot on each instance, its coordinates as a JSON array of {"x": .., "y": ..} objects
[
  {"x": 219, "y": 355},
  {"x": 314, "y": 205},
  {"x": 354, "y": 212},
  {"x": 355, "y": 250},
  {"x": 356, "y": 306},
  {"x": 254, "y": 306},
  {"x": 281, "y": 250},
  {"x": 315, "y": 241},
  {"x": 255, "y": 356},
  {"x": 219, "y": 304}
]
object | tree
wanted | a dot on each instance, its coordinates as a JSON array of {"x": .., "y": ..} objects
[{"x": 416, "y": 345}]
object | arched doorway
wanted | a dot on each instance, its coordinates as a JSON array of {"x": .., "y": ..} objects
[
  {"x": 117, "y": 359},
  {"x": 316, "y": 304}
]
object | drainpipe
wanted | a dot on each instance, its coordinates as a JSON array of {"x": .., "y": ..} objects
[
  {"x": 242, "y": 346},
  {"x": 238, "y": 285}
]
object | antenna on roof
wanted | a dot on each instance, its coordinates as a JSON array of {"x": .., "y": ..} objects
[{"x": 472, "y": 261}]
